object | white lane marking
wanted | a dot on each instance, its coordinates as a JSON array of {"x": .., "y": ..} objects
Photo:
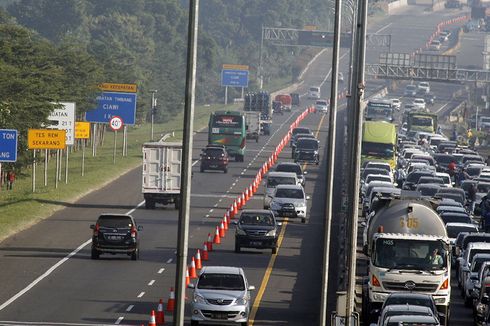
[
  {"x": 137, "y": 206},
  {"x": 383, "y": 28},
  {"x": 211, "y": 210},
  {"x": 44, "y": 275},
  {"x": 215, "y": 205},
  {"x": 161, "y": 270},
  {"x": 442, "y": 107},
  {"x": 169, "y": 260},
  {"x": 207, "y": 215},
  {"x": 141, "y": 294},
  {"x": 119, "y": 320},
  {"x": 195, "y": 162},
  {"x": 130, "y": 307},
  {"x": 151, "y": 282}
]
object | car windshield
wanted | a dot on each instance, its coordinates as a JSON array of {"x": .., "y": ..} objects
[
  {"x": 114, "y": 222},
  {"x": 289, "y": 168},
  {"x": 409, "y": 300},
  {"x": 256, "y": 219},
  {"x": 323, "y": 103},
  {"x": 454, "y": 230},
  {"x": 483, "y": 188},
  {"x": 473, "y": 171},
  {"x": 415, "y": 176},
  {"x": 477, "y": 262},
  {"x": 301, "y": 131},
  {"x": 442, "y": 158},
  {"x": 214, "y": 152},
  {"x": 308, "y": 143},
  {"x": 274, "y": 181},
  {"x": 409, "y": 254},
  {"x": 289, "y": 193},
  {"x": 217, "y": 281},
  {"x": 370, "y": 178}
]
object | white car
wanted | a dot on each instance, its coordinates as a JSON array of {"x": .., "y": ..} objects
[
  {"x": 423, "y": 87},
  {"x": 435, "y": 45},
  {"x": 419, "y": 103},
  {"x": 446, "y": 178},
  {"x": 321, "y": 106},
  {"x": 396, "y": 103},
  {"x": 289, "y": 201},
  {"x": 314, "y": 93}
]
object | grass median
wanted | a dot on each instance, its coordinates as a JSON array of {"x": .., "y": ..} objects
[{"x": 20, "y": 207}]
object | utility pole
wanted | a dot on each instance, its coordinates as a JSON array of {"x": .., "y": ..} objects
[
  {"x": 332, "y": 129},
  {"x": 153, "y": 109},
  {"x": 184, "y": 211}
]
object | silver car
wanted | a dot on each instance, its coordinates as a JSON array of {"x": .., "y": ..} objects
[
  {"x": 221, "y": 296},
  {"x": 289, "y": 201}
]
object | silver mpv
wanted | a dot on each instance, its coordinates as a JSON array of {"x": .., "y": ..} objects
[{"x": 221, "y": 296}]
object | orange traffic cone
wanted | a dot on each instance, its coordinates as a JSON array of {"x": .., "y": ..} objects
[
  {"x": 221, "y": 230},
  {"x": 235, "y": 208},
  {"x": 250, "y": 190},
  {"x": 205, "y": 255},
  {"x": 152, "y": 321},
  {"x": 192, "y": 269},
  {"x": 160, "y": 317},
  {"x": 243, "y": 200},
  {"x": 187, "y": 277},
  {"x": 247, "y": 195},
  {"x": 198, "y": 259},
  {"x": 232, "y": 210},
  {"x": 171, "y": 300},
  {"x": 217, "y": 239},
  {"x": 239, "y": 202},
  {"x": 209, "y": 244},
  {"x": 225, "y": 222}
]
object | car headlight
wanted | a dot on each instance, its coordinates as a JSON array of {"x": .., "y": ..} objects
[
  {"x": 300, "y": 205},
  {"x": 271, "y": 233},
  {"x": 241, "y": 301},
  {"x": 239, "y": 231},
  {"x": 315, "y": 152},
  {"x": 199, "y": 298}
]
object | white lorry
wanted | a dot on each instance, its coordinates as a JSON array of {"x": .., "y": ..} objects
[
  {"x": 162, "y": 162},
  {"x": 252, "y": 124},
  {"x": 401, "y": 243}
]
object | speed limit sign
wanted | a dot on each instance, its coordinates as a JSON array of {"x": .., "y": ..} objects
[{"x": 116, "y": 123}]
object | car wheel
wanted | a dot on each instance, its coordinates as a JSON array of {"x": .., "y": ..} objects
[
  {"x": 274, "y": 250},
  {"x": 149, "y": 204},
  {"x": 237, "y": 247},
  {"x": 303, "y": 220},
  {"x": 95, "y": 254},
  {"x": 225, "y": 170},
  {"x": 194, "y": 322},
  {"x": 135, "y": 255}
]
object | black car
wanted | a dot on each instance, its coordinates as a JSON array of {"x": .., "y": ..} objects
[
  {"x": 214, "y": 158},
  {"x": 299, "y": 130},
  {"x": 306, "y": 151},
  {"x": 257, "y": 229},
  {"x": 295, "y": 138},
  {"x": 115, "y": 233}
]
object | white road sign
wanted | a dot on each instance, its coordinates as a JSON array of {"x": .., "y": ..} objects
[
  {"x": 65, "y": 120},
  {"x": 116, "y": 123}
]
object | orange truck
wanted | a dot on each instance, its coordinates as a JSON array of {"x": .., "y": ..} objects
[{"x": 285, "y": 100}]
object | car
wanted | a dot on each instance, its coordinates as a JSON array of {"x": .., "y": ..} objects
[
  {"x": 115, "y": 234},
  {"x": 454, "y": 217},
  {"x": 424, "y": 320},
  {"x": 257, "y": 229},
  {"x": 295, "y": 138},
  {"x": 295, "y": 168},
  {"x": 427, "y": 189},
  {"x": 306, "y": 151},
  {"x": 299, "y": 130},
  {"x": 404, "y": 310},
  {"x": 471, "y": 277},
  {"x": 314, "y": 92},
  {"x": 214, "y": 158},
  {"x": 413, "y": 299},
  {"x": 430, "y": 98},
  {"x": 274, "y": 179},
  {"x": 423, "y": 88},
  {"x": 413, "y": 178},
  {"x": 289, "y": 201},
  {"x": 419, "y": 103},
  {"x": 435, "y": 45},
  {"x": 464, "y": 261},
  {"x": 221, "y": 295},
  {"x": 454, "y": 229},
  {"x": 410, "y": 90},
  {"x": 396, "y": 103},
  {"x": 321, "y": 106},
  {"x": 444, "y": 35}
]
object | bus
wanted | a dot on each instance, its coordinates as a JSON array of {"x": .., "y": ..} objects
[
  {"x": 379, "y": 142},
  {"x": 228, "y": 128},
  {"x": 379, "y": 109}
]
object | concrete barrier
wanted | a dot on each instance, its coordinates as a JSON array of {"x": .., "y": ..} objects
[{"x": 396, "y": 4}]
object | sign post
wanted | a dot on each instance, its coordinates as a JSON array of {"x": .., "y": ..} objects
[
  {"x": 82, "y": 131},
  {"x": 8, "y": 147},
  {"x": 116, "y": 123}
]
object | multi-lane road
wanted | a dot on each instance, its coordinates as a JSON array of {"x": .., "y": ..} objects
[{"x": 48, "y": 276}]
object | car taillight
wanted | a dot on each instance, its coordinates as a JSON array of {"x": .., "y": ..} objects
[
  {"x": 133, "y": 232},
  {"x": 375, "y": 281},
  {"x": 96, "y": 229},
  {"x": 445, "y": 284}
]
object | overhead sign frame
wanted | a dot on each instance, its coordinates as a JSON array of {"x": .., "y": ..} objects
[{"x": 9, "y": 139}]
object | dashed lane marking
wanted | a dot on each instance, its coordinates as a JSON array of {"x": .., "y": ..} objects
[{"x": 141, "y": 294}]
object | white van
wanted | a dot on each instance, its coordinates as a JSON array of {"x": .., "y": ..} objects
[
  {"x": 274, "y": 179},
  {"x": 314, "y": 92}
]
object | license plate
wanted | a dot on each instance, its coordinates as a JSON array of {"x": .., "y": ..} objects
[
  {"x": 114, "y": 237},
  {"x": 255, "y": 243},
  {"x": 213, "y": 166},
  {"x": 218, "y": 315},
  {"x": 288, "y": 214}
]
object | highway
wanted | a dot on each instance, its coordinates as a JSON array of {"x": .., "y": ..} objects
[{"x": 49, "y": 278}]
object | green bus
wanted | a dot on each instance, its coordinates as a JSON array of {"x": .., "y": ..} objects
[
  {"x": 228, "y": 128},
  {"x": 379, "y": 142}
]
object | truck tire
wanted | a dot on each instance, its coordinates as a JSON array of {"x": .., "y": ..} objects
[
  {"x": 149, "y": 204},
  {"x": 177, "y": 203}
]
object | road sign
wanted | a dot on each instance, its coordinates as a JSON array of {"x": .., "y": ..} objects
[
  {"x": 125, "y": 88},
  {"x": 46, "y": 139},
  {"x": 111, "y": 104},
  {"x": 234, "y": 78},
  {"x": 8, "y": 145},
  {"x": 116, "y": 123},
  {"x": 82, "y": 130},
  {"x": 64, "y": 119}
]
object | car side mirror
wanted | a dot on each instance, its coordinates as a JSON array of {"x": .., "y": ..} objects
[
  {"x": 191, "y": 286},
  {"x": 251, "y": 288},
  {"x": 92, "y": 226},
  {"x": 140, "y": 228},
  {"x": 307, "y": 197},
  {"x": 234, "y": 222},
  {"x": 279, "y": 223}
]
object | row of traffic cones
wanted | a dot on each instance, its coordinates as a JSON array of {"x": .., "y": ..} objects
[{"x": 158, "y": 317}]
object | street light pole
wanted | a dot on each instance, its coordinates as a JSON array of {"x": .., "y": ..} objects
[{"x": 153, "y": 108}]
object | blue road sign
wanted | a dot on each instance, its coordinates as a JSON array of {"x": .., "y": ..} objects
[
  {"x": 8, "y": 145},
  {"x": 110, "y": 104},
  {"x": 235, "y": 78}
]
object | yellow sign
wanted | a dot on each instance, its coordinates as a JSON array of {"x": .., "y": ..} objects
[
  {"x": 310, "y": 27},
  {"x": 46, "y": 139},
  {"x": 125, "y": 88},
  {"x": 235, "y": 67},
  {"x": 82, "y": 130}
]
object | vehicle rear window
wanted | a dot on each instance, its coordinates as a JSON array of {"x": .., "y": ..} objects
[
  {"x": 214, "y": 152},
  {"x": 256, "y": 219},
  {"x": 114, "y": 222},
  {"x": 216, "y": 281},
  {"x": 308, "y": 143},
  {"x": 418, "y": 301},
  {"x": 301, "y": 131},
  {"x": 453, "y": 231},
  {"x": 275, "y": 181},
  {"x": 289, "y": 193},
  {"x": 289, "y": 168}
]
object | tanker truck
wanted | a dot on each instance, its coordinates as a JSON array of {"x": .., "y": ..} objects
[{"x": 400, "y": 239}]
